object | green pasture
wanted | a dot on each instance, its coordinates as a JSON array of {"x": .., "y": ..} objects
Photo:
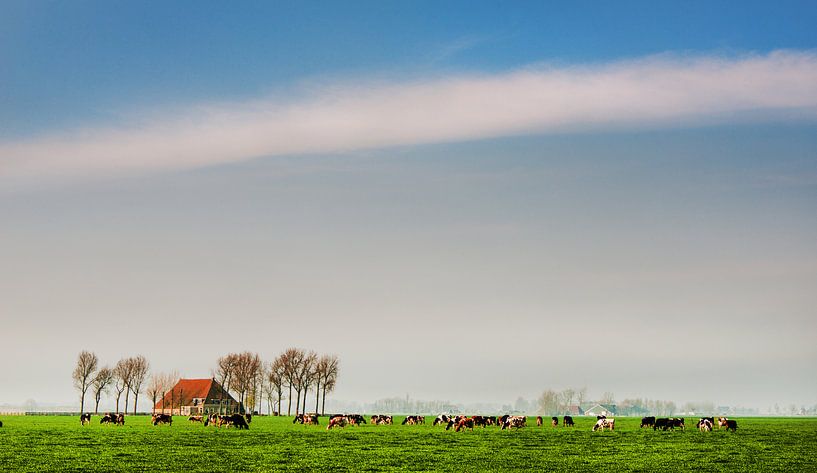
[{"x": 59, "y": 443}]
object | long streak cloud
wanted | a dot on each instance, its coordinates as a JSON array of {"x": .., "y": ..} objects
[{"x": 661, "y": 91}]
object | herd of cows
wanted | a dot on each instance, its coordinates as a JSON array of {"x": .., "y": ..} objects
[{"x": 458, "y": 422}]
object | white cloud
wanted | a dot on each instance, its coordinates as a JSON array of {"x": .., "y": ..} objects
[{"x": 650, "y": 92}]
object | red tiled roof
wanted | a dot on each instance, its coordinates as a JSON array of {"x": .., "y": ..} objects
[{"x": 186, "y": 389}]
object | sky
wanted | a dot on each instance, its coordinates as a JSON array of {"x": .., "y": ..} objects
[{"x": 465, "y": 201}]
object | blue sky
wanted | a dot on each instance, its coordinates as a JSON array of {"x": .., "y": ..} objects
[
  {"x": 73, "y": 62},
  {"x": 528, "y": 177}
]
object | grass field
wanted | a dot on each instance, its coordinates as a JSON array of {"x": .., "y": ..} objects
[{"x": 56, "y": 443}]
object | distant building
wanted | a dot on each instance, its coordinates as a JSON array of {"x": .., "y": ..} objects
[
  {"x": 600, "y": 410},
  {"x": 197, "y": 397}
]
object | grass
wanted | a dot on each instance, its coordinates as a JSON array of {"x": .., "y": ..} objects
[{"x": 53, "y": 443}]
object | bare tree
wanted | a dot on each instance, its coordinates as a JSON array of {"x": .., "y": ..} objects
[
  {"x": 275, "y": 381},
  {"x": 224, "y": 374},
  {"x": 246, "y": 368},
  {"x": 291, "y": 358},
  {"x": 306, "y": 376},
  {"x": 83, "y": 374},
  {"x": 157, "y": 386},
  {"x": 581, "y": 395},
  {"x": 120, "y": 385},
  {"x": 139, "y": 374},
  {"x": 125, "y": 373},
  {"x": 100, "y": 384},
  {"x": 608, "y": 398},
  {"x": 329, "y": 378},
  {"x": 548, "y": 402}
]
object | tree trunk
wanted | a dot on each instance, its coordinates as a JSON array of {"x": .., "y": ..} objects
[
  {"x": 135, "y": 402},
  {"x": 289, "y": 401},
  {"x": 317, "y": 395},
  {"x": 118, "y": 395},
  {"x": 127, "y": 392},
  {"x": 323, "y": 405},
  {"x": 96, "y": 406},
  {"x": 82, "y": 402}
]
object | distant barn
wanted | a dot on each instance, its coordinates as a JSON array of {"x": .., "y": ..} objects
[
  {"x": 197, "y": 397},
  {"x": 600, "y": 410}
]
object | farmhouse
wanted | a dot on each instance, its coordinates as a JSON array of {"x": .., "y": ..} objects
[
  {"x": 600, "y": 410},
  {"x": 196, "y": 397}
]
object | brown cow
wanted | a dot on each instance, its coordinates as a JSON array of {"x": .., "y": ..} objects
[{"x": 340, "y": 421}]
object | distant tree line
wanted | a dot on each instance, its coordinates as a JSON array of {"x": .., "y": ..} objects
[{"x": 245, "y": 375}]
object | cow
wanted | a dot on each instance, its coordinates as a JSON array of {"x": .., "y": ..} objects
[
  {"x": 421, "y": 420},
  {"x": 248, "y": 416},
  {"x": 235, "y": 420},
  {"x": 355, "y": 419},
  {"x": 339, "y": 421},
  {"x": 601, "y": 417},
  {"x": 161, "y": 419},
  {"x": 722, "y": 422},
  {"x": 308, "y": 419},
  {"x": 211, "y": 419},
  {"x": 604, "y": 423},
  {"x": 442, "y": 419},
  {"x": 195, "y": 419},
  {"x": 382, "y": 420},
  {"x": 710, "y": 420},
  {"x": 412, "y": 420},
  {"x": 676, "y": 422},
  {"x": 538, "y": 421},
  {"x": 481, "y": 421},
  {"x": 111, "y": 418},
  {"x": 467, "y": 423},
  {"x": 514, "y": 421},
  {"x": 1, "y": 423},
  {"x": 731, "y": 425},
  {"x": 648, "y": 421},
  {"x": 554, "y": 421},
  {"x": 85, "y": 418},
  {"x": 662, "y": 423},
  {"x": 568, "y": 421}
]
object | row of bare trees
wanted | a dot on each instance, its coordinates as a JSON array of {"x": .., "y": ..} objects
[
  {"x": 295, "y": 370},
  {"x": 127, "y": 376}
]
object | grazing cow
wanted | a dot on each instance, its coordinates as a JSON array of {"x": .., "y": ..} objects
[
  {"x": 662, "y": 423},
  {"x": 568, "y": 421},
  {"x": 722, "y": 422},
  {"x": 554, "y": 421},
  {"x": 731, "y": 425},
  {"x": 111, "y": 418},
  {"x": 482, "y": 421},
  {"x": 704, "y": 425},
  {"x": 339, "y": 421},
  {"x": 538, "y": 421},
  {"x": 211, "y": 419},
  {"x": 248, "y": 416},
  {"x": 308, "y": 419},
  {"x": 235, "y": 420},
  {"x": 85, "y": 418},
  {"x": 355, "y": 419},
  {"x": 463, "y": 424},
  {"x": 676, "y": 422},
  {"x": 648, "y": 421},
  {"x": 162, "y": 419},
  {"x": 514, "y": 421},
  {"x": 413, "y": 420},
  {"x": 195, "y": 419},
  {"x": 382, "y": 420},
  {"x": 442, "y": 419},
  {"x": 604, "y": 423}
]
